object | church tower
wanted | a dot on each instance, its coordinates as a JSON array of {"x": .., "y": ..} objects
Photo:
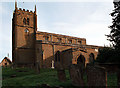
[{"x": 24, "y": 27}]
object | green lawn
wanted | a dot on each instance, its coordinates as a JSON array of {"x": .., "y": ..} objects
[{"x": 28, "y": 77}]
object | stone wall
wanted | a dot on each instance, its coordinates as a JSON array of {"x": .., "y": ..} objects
[{"x": 96, "y": 76}]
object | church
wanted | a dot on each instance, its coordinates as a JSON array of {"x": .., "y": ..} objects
[{"x": 31, "y": 47}]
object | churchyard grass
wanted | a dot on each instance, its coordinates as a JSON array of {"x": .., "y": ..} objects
[
  {"x": 28, "y": 77},
  {"x": 112, "y": 79}
]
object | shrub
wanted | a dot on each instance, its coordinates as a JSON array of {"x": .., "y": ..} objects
[{"x": 108, "y": 55}]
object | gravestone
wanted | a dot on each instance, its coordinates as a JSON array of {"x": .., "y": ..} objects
[
  {"x": 96, "y": 76},
  {"x": 76, "y": 75},
  {"x": 37, "y": 68},
  {"x": 60, "y": 71},
  {"x": 58, "y": 65},
  {"x": 81, "y": 68},
  {"x": 61, "y": 75},
  {"x": 118, "y": 78}
]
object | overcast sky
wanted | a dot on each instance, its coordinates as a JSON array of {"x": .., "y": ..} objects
[{"x": 78, "y": 18}]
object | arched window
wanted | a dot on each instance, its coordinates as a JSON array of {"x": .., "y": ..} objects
[
  {"x": 24, "y": 21},
  {"x": 81, "y": 60},
  {"x": 27, "y": 21},
  {"x": 57, "y": 56}
]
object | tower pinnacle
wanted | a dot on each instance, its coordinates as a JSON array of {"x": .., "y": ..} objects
[
  {"x": 35, "y": 9},
  {"x": 15, "y": 4}
]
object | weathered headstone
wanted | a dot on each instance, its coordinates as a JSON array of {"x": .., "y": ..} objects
[
  {"x": 37, "y": 67},
  {"x": 96, "y": 76},
  {"x": 76, "y": 75},
  {"x": 81, "y": 68},
  {"x": 118, "y": 78},
  {"x": 58, "y": 65},
  {"x": 61, "y": 75},
  {"x": 60, "y": 71}
]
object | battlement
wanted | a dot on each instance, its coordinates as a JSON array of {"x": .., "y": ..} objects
[
  {"x": 30, "y": 11},
  {"x": 60, "y": 39},
  {"x": 60, "y": 35}
]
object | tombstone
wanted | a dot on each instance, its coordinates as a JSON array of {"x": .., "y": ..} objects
[
  {"x": 61, "y": 75},
  {"x": 60, "y": 71},
  {"x": 37, "y": 67},
  {"x": 58, "y": 65},
  {"x": 118, "y": 78},
  {"x": 66, "y": 57},
  {"x": 76, "y": 75},
  {"x": 81, "y": 68},
  {"x": 81, "y": 63},
  {"x": 91, "y": 58},
  {"x": 96, "y": 76}
]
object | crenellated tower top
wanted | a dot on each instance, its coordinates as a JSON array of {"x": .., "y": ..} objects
[{"x": 20, "y": 9}]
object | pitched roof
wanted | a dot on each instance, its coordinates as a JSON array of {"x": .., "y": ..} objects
[{"x": 7, "y": 60}]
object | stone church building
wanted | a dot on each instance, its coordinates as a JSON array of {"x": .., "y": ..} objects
[{"x": 30, "y": 46}]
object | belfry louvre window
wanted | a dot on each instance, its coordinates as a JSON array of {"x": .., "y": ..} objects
[
  {"x": 27, "y": 21},
  {"x": 24, "y": 21}
]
